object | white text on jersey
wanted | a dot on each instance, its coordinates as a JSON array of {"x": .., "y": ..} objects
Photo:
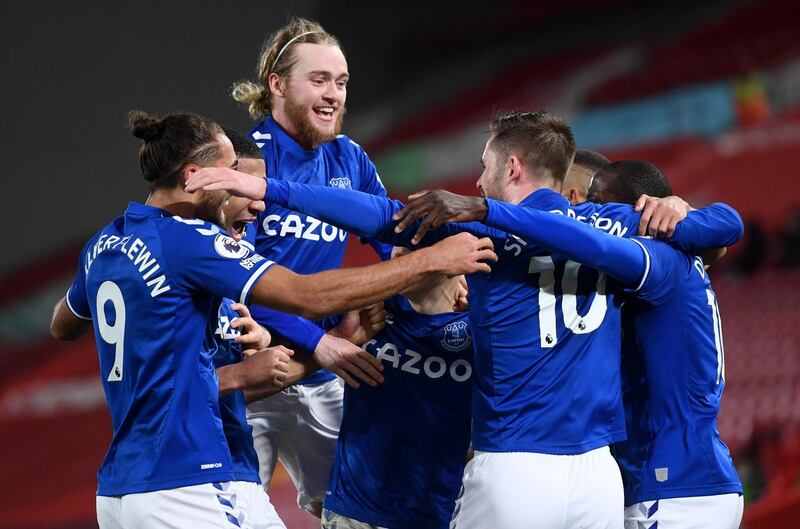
[
  {"x": 139, "y": 255},
  {"x": 312, "y": 229},
  {"x": 433, "y": 366}
]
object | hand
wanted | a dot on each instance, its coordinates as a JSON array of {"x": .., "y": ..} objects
[
  {"x": 343, "y": 358},
  {"x": 660, "y": 215},
  {"x": 462, "y": 254},
  {"x": 253, "y": 336},
  {"x": 234, "y": 182},
  {"x": 438, "y": 207},
  {"x": 266, "y": 369},
  {"x": 359, "y": 326}
]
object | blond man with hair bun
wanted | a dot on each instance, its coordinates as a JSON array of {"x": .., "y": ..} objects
[{"x": 299, "y": 97}]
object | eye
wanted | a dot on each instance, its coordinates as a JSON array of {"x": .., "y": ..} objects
[
  {"x": 341, "y": 84},
  {"x": 317, "y": 82}
]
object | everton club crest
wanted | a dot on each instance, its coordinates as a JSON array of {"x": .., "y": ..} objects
[
  {"x": 456, "y": 336},
  {"x": 342, "y": 183}
]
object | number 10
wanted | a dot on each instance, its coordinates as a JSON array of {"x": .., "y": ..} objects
[{"x": 548, "y": 333}]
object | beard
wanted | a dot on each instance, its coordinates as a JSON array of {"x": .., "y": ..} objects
[
  {"x": 210, "y": 206},
  {"x": 299, "y": 116}
]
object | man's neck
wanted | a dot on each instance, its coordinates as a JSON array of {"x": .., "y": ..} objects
[
  {"x": 176, "y": 201},
  {"x": 522, "y": 190},
  {"x": 440, "y": 298}
]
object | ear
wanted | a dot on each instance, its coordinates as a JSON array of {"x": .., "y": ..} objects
[
  {"x": 188, "y": 171},
  {"x": 276, "y": 84},
  {"x": 573, "y": 196},
  {"x": 514, "y": 168}
]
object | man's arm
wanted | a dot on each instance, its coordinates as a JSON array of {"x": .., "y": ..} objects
[
  {"x": 65, "y": 325},
  {"x": 265, "y": 370},
  {"x": 336, "y": 291},
  {"x": 714, "y": 226},
  {"x": 365, "y": 215},
  {"x": 300, "y": 367},
  {"x": 622, "y": 259}
]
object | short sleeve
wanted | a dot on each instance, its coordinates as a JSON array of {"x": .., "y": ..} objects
[{"x": 204, "y": 258}]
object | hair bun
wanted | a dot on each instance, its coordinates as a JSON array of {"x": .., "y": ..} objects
[{"x": 143, "y": 125}]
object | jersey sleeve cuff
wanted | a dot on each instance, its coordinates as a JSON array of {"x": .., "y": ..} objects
[
  {"x": 491, "y": 211},
  {"x": 277, "y": 192},
  {"x": 72, "y": 309},
  {"x": 646, "y": 266},
  {"x": 244, "y": 298}
]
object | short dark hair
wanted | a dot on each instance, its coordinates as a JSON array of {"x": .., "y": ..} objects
[
  {"x": 591, "y": 159},
  {"x": 243, "y": 146},
  {"x": 635, "y": 178},
  {"x": 172, "y": 142},
  {"x": 541, "y": 140}
]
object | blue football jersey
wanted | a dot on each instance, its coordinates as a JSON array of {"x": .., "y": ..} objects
[
  {"x": 547, "y": 330},
  {"x": 232, "y": 407},
  {"x": 673, "y": 378},
  {"x": 673, "y": 369},
  {"x": 403, "y": 444},
  {"x": 152, "y": 283},
  {"x": 298, "y": 241}
]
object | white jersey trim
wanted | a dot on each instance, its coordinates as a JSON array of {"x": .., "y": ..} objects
[
  {"x": 72, "y": 309},
  {"x": 646, "y": 266},
  {"x": 253, "y": 278}
]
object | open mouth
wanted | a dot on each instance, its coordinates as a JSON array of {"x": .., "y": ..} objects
[
  {"x": 238, "y": 227},
  {"x": 325, "y": 113}
]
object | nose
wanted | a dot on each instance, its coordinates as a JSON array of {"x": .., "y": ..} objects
[
  {"x": 256, "y": 207},
  {"x": 331, "y": 92}
]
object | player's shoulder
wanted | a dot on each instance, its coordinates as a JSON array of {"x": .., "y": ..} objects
[
  {"x": 197, "y": 235},
  {"x": 614, "y": 209},
  {"x": 193, "y": 227},
  {"x": 616, "y": 218},
  {"x": 112, "y": 229}
]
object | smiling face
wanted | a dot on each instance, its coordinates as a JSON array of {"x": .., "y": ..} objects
[
  {"x": 310, "y": 102},
  {"x": 238, "y": 211}
]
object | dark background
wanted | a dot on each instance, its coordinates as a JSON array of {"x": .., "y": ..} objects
[{"x": 71, "y": 71}]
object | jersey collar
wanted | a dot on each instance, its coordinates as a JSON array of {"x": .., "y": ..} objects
[
  {"x": 137, "y": 209},
  {"x": 545, "y": 199}
]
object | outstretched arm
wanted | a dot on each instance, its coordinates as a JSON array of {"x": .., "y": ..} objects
[
  {"x": 714, "y": 226},
  {"x": 336, "y": 291},
  {"x": 360, "y": 213},
  {"x": 622, "y": 259}
]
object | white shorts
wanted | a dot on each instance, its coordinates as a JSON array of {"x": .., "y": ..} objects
[
  {"x": 332, "y": 520},
  {"x": 299, "y": 426},
  {"x": 723, "y": 511},
  {"x": 208, "y": 506},
  {"x": 519, "y": 490}
]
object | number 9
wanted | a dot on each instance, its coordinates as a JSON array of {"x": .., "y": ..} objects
[{"x": 112, "y": 334}]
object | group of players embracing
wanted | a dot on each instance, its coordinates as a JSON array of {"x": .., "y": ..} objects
[{"x": 546, "y": 355}]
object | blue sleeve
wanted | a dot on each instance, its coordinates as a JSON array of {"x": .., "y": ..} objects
[
  {"x": 299, "y": 330},
  {"x": 365, "y": 215},
  {"x": 622, "y": 259},
  {"x": 715, "y": 226},
  {"x": 666, "y": 268},
  {"x": 76, "y": 298},
  {"x": 204, "y": 258}
]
